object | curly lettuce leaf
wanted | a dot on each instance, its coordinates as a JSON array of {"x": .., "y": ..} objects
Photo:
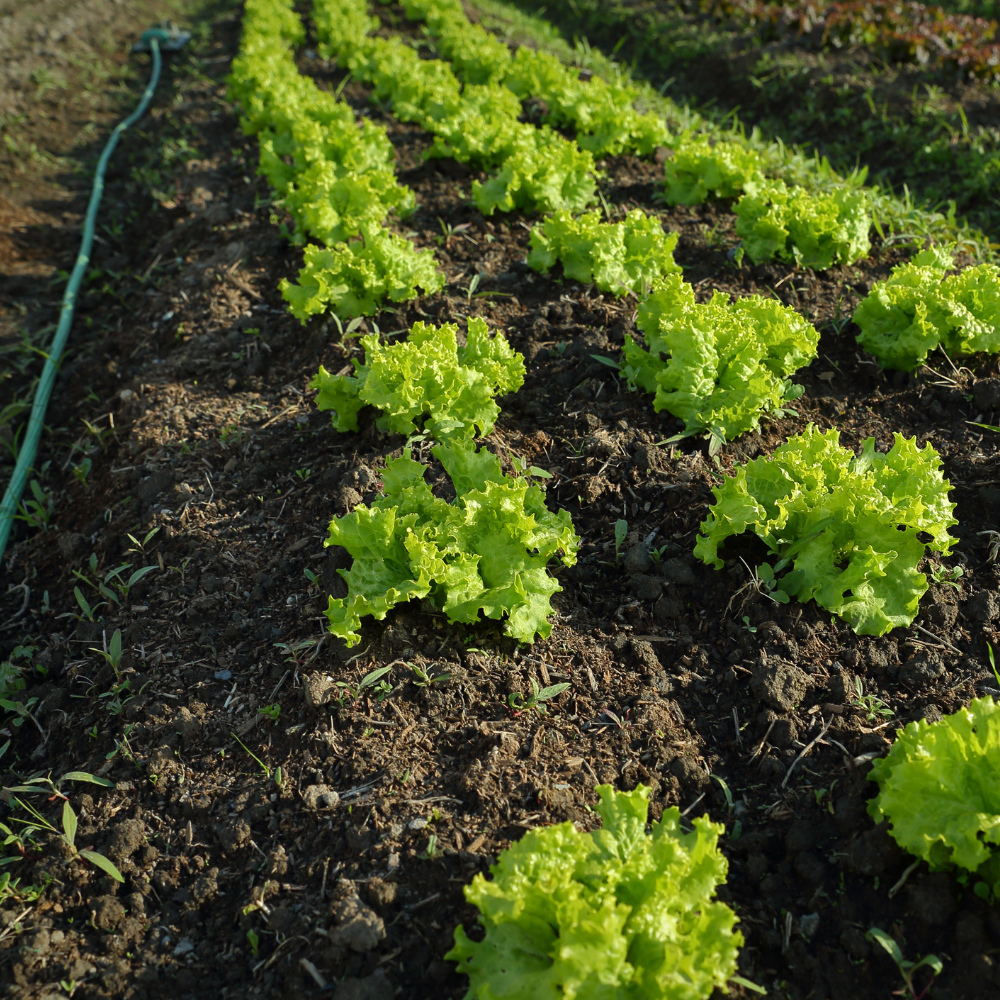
[
  {"x": 702, "y": 168},
  {"x": 426, "y": 377},
  {"x": 938, "y": 791},
  {"x": 812, "y": 229},
  {"x": 354, "y": 279},
  {"x": 485, "y": 553},
  {"x": 541, "y": 173},
  {"x": 334, "y": 174},
  {"x": 619, "y": 257},
  {"x": 613, "y": 912},
  {"x": 537, "y": 170},
  {"x": 477, "y": 56},
  {"x": 917, "y": 308},
  {"x": 727, "y": 362},
  {"x": 601, "y": 112},
  {"x": 845, "y": 530}
]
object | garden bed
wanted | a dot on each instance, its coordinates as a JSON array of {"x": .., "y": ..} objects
[{"x": 327, "y": 839}]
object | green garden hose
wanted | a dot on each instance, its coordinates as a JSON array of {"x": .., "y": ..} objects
[{"x": 152, "y": 40}]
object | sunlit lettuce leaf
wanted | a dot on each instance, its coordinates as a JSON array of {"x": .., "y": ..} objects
[
  {"x": 919, "y": 307},
  {"x": 542, "y": 172},
  {"x": 476, "y": 55},
  {"x": 721, "y": 365},
  {"x": 616, "y": 912},
  {"x": 601, "y": 112},
  {"x": 812, "y": 229},
  {"x": 426, "y": 376},
  {"x": 354, "y": 279},
  {"x": 845, "y": 530},
  {"x": 702, "y": 168},
  {"x": 619, "y": 257},
  {"x": 335, "y": 174},
  {"x": 484, "y": 553},
  {"x": 938, "y": 788},
  {"x": 536, "y": 170}
]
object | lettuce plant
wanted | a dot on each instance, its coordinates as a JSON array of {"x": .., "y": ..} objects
[
  {"x": 602, "y": 113},
  {"x": 845, "y": 529},
  {"x": 917, "y": 308},
  {"x": 537, "y": 170},
  {"x": 612, "y": 913},
  {"x": 355, "y": 278},
  {"x": 938, "y": 790},
  {"x": 486, "y": 551},
  {"x": 810, "y": 228},
  {"x": 542, "y": 173},
  {"x": 726, "y": 363},
  {"x": 333, "y": 174},
  {"x": 476, "y": 55},
  {"x": 702, "y": 168},
  {"x": 619, "y": 257},
  {"x": 427, "y": 375}
]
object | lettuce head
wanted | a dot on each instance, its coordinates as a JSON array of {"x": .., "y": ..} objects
[
  {"x": 938, "y": 790},
  {"x": 845, "y": 529},
  {"x": 612, "y": 913}
]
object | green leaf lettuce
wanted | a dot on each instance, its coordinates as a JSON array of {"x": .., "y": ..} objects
[
  {"x": 427, "y": 375},
  {"x": 809, "y": 228},
  {"x": 847, "y": 528},
  {"x": 726, "y": 362},
  {"x": 486, "y": 552},
  {"x": 355, "y": 278},
  {"x": 612, "y": 913},
  {"x": 938, "y": 789},
  {"x": 619, "y": 257},
  {"x": 918, "y": 307}
]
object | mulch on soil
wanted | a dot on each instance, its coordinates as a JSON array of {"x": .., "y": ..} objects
[{"x": 345, "y": 868}]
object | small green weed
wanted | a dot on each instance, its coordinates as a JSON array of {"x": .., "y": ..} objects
[
  {"x": 906, "y": 968},
  {"x": 517, "y": 703}
]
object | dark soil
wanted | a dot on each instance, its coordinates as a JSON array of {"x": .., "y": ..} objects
[{"x": 346, "y": 867}]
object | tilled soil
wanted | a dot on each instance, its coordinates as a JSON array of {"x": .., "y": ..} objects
[{"x": 324, "y": 843}]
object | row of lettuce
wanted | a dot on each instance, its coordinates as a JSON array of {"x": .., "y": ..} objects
[
  {"x": 616, "y": 907},
  {"x": 335, "y": 176}
]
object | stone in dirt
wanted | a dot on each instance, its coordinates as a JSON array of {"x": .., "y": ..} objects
[
  {"x": 637, "y": 559},
  {"x": 600, "y": 444},
  {"x": 107, "y": 912},
  {"x": 316, "y": 689},
  {"x": 357, "y": 926},
  {"x": 780, "y": 685},
  {"x": 233, "y": 834},
  {"x": 693, "y": 778},
  {"x": 645, "y": 588},
  {"x": 986, "y": 393},
  {"x": 152, "y": 486},
  {"x": 677, "y": 571},
  {"x": 941, "y": 606},
  {"x": 873, "y": 852},
  {"x": 645, "y": 655},
  {"x": 922, "y": 669},
  {"x": 126, "y": 838},
  {"x": 932, "y": 898},
  {"x": 320, "y": 797},
  {"x": 666, "y": 609},
  {"x": 187, "y": 724}
]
